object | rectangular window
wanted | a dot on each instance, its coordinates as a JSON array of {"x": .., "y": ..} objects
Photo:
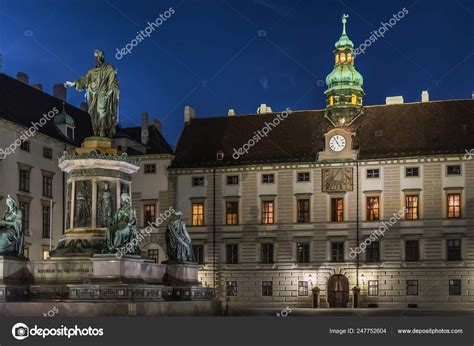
[
  {"x": 412, "y": 172},
  {"x": 69, "y": 132},
  {"x": 412, "y": 287},
  {"x": 267, "y": 253},
  {"x": 149, "y": 214},
  {"x": 154, "y": 255},
  {"x": 24, "y": 180},
  {"x": 268, "y": 212},
  {"x": 25, "y": 146},
  {"x": 267, "y": 288},
  {"x": 48, "y": 153},
  {"x": 373, "y": 173},
  {"x": 25, "y": 212},
  {"x": 231, "y": 288},
  {"x": 455, "y": 287},
  {"x": 412, "y": 251},
  {"x": 303, "y": 210},
  {"x": 232, "y": 180},
  {"x": 373, "y": 287},
  {"x": 45, "y": 255},
  {"x": 302, "y": 252},
  {"x": 453, "y": 170},
  {"x": 411, "y": 203},
  {"x": 373, "y": 252},
  {"x": 232, "y": 253},
  {"x": 198, "y": 251},
  {"x": 198, "y": 214},
  {"x": 47, "y": 186},
  {"x": 46, "y": 221},
  {"x": 150, "y": 168},
  {"x": 454, "y": 249},
  {"x": 268, "y": 178},
  {"x": 197, "y": 181},
  {"x": 302, "y": 177},
  {"x": 454, "y": 205},
  {"x": 337, "y": 251},
  {"x": 232, "y": 213},
  {"x": 337, "y": 209},
  {"x": 303, "y": 288},
  {"x": 373, "y": 209}
]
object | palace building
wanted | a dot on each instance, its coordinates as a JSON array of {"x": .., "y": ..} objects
[
  {"x": 284, "y": 218},
  {"x": 351, "y": 205}
]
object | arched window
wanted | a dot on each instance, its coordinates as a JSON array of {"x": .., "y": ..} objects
[
  {"x": 354, "y": 99},
  {"x": 349, "y": 57},
  {"x": 343, "y": 57},
  {"x": 337, "y": 58},
  {"x": 331, "y": 100}
]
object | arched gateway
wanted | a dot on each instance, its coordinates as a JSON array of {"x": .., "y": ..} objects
[{"x": 338, "y": 291}]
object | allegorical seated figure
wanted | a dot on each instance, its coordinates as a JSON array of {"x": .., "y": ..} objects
[
  {"x": 121, "y": 235},
  {"x": 178, "y": 241},
  {"x": 12, "y": 238}
]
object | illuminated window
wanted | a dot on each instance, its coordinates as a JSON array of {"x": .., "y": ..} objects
[
  {"x": 343, "y": 57},
  {"x": 331, "y": 100},
  {"x": 373, "y": 209},
  {"x": 45, "y": 254},
  {"x": 454, "y": 205},
  {"x": 302, "y": 288},
  {"x": 373, "y": 287},
  {"x": 150, "y": 214},
  {"x": 349, "y": 57},
  {"x": 337, "y": 209},
  {"x": 232, "y": 213},
  {"x": 354, "y": 99},
  {"x": 198, "y": 214},
  {"x": 267, "y": 212},
  {"x": 411, "y": 203},
  {"x": 303, "y": 210},
  {"x": 337, "y": 58}
]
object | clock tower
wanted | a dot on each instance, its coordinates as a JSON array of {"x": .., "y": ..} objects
[{"x": 344, "y": 84}]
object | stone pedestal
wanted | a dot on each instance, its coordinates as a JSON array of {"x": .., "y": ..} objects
[
  {"x": 181, "y": 274},
  {"x": 99, "y": 144},
  {"x": 15, "y": 278}
]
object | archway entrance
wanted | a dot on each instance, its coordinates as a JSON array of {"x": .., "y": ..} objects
[{"x": 338, "y": 291}]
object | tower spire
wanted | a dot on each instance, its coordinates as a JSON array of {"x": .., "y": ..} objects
[{"x": 344, "y": 20}]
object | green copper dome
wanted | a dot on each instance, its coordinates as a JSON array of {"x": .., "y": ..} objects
[
  {"x": 344, "y": 41},
  {"x": 344, "y": 76},
  {"x": 63, "y": 118}
]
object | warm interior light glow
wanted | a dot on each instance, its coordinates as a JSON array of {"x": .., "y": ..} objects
[{"x": 343, "y": 57}]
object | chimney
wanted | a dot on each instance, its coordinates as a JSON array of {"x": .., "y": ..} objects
[
  {"x": 189, "y": 113},
  {"x": 37, "y": 86},
  {"x": 23, "y": 77},
  {"x": 231, "y": 112},
  {"x": 156, "y": 123},
  {"x": 425, "y": 97},
  {"x": 84, "y": 106},
  {"x": 264, "y": 109},
  {"x": 144, "y": 133},
  {"x": 393, "y": 100},
  {"x": 59, "y": 91}
]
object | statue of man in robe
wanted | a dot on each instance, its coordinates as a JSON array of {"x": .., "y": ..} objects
[{"x": 103, "y": 91}]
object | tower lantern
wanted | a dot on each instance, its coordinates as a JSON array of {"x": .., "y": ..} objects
[{"x": 344, "y": 84}]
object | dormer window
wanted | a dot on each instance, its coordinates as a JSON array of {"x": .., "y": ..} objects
[{"x": 70, "y": 132}]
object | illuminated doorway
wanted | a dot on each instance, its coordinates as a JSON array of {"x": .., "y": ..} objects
[{"x": 338, "y": 291}]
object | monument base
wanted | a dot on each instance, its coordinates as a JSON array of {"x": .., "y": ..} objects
[
  {"x": 181, "y": 273},
  {"x": 14, "y": 278},
  {"x": 100, "y": 144}
]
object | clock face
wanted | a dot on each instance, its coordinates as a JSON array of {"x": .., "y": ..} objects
[{"x": 337, "y": 143}]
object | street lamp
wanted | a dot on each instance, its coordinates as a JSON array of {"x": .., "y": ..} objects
[{"x": 363, "y": 279}]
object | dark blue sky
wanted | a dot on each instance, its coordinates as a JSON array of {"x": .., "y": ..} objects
[{"x": 209, "y": 54}]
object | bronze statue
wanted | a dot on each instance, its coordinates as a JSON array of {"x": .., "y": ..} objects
[
  {"x": 12, "y": 237},
  {"x": 102, "y": 95},
  {"x": 105, "y": 205},
  {"x": 82, "y": 212},
  {"x": 122, "y": 236},
  {"x": 178, "y": 241}
]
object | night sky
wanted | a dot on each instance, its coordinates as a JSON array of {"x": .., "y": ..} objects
[{"x": 216, "y": 55}]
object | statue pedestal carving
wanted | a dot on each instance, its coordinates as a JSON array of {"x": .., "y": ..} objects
[
  {"x": 14, "y": 278},
  {"x": 181, "y": 274}
]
